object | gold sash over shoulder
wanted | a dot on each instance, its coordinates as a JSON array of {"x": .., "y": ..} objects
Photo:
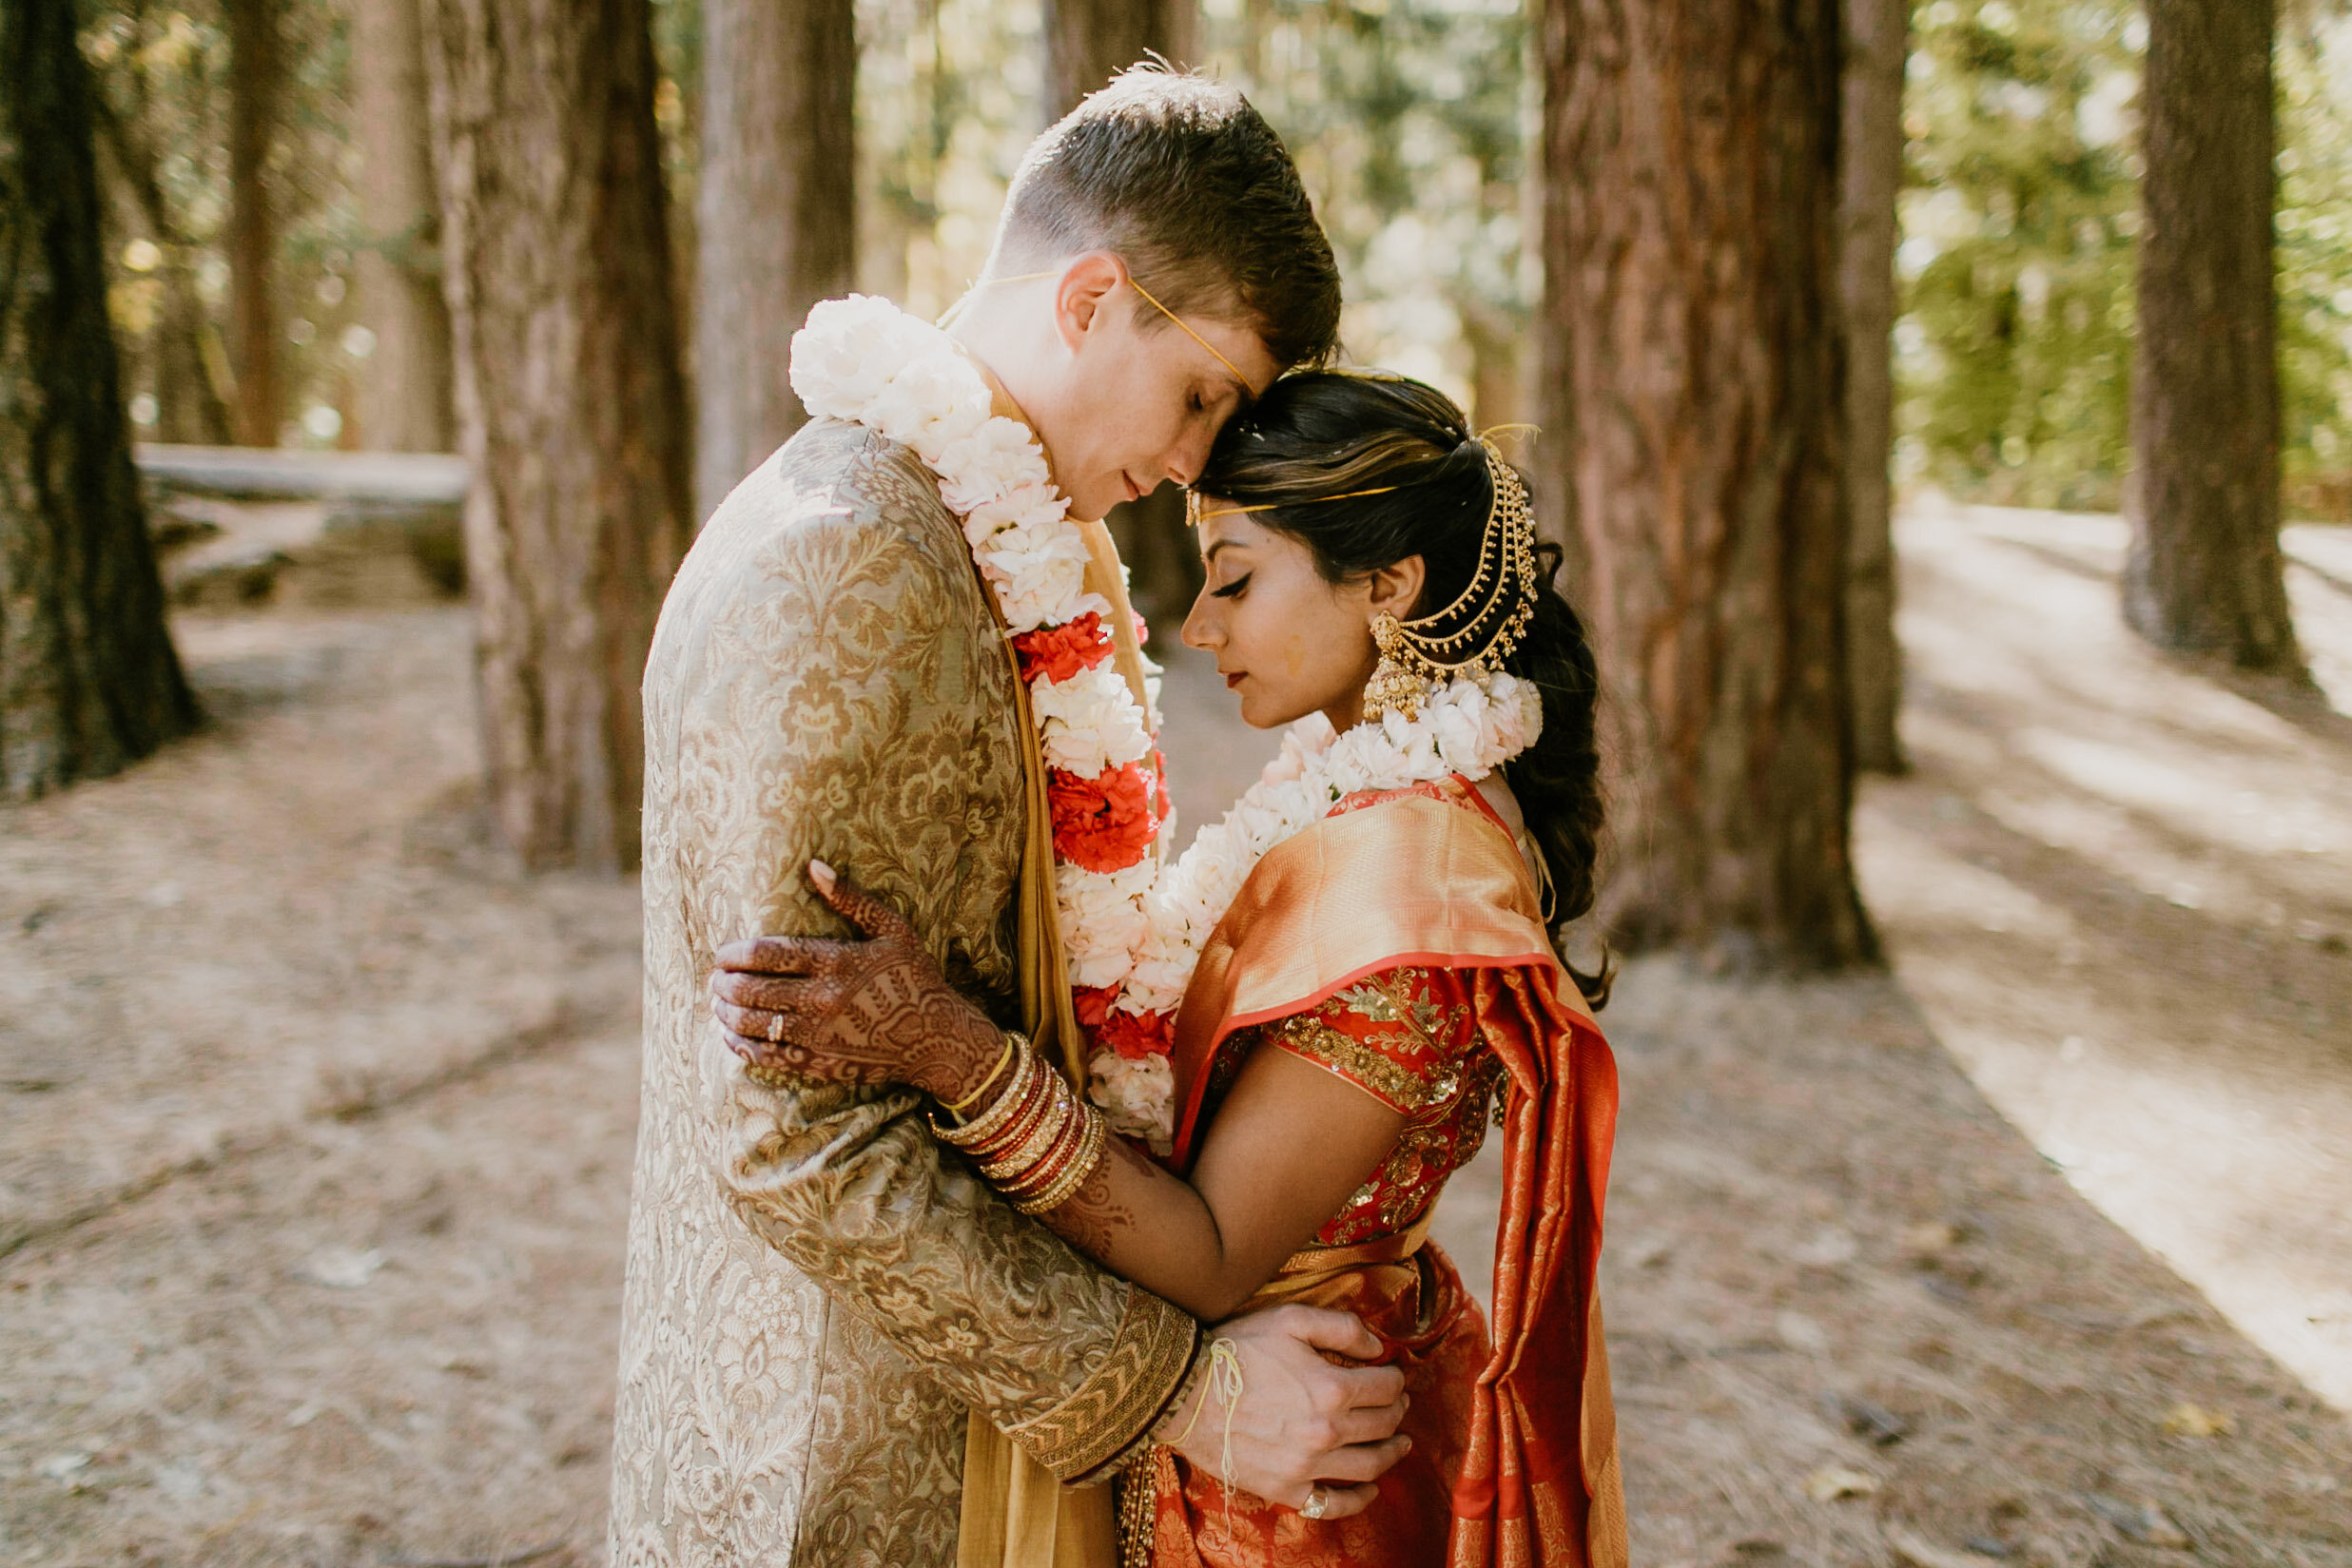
[{"x": 1016, "y": 1515}]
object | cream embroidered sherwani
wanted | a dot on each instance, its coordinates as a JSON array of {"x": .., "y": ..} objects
[{"x": 817, "y": 1293}]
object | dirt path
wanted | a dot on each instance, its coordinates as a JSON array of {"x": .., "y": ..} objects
[{"x": 317, "y": 1253}]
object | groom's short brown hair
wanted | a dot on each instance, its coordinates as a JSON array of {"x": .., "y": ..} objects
[{"x": 1182, "y": 177}]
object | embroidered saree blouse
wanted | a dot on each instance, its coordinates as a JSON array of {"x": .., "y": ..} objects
[{"x": 1407, "y": 1036}]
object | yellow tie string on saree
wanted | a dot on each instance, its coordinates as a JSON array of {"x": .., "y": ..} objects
[{"x": 1223, "y": 1378}]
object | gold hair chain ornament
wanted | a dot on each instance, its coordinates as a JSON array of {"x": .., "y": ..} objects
[{"x": 1487, "y": 617}]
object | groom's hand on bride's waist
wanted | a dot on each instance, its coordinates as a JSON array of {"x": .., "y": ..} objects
[{"x": 1299, "y": 1422}]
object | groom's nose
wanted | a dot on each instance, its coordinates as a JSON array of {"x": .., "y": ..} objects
[{"x": 1189, "y": 458}]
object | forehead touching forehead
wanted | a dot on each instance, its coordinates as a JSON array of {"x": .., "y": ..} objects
[{"x": 1184, "y": 179}]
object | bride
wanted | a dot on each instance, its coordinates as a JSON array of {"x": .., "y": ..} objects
[{"x": 1338, "y": 986}]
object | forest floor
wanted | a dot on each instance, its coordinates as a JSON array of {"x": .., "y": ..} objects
[{"x": 315, "y": 1125}]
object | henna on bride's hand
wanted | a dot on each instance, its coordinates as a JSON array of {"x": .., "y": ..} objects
[
  {"x": 1092, "y": 1219},
  {"x": 863, "y": 1012}
]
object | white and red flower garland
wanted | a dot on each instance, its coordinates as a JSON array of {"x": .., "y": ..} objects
[{"x": 1131, "y": 929}]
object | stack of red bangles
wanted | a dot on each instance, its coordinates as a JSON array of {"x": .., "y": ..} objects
[{"x": 1036, "y": 1142}]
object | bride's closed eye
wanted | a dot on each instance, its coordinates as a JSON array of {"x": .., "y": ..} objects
[{"x": 1233, "y": 590}]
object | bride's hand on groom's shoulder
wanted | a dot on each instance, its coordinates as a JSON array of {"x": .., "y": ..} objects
[{"x": 866, "y": 1010}]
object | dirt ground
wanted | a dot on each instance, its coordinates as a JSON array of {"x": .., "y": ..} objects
[{"x": 316, "y": 1124}]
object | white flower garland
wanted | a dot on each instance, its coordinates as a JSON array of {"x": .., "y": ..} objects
[
  {"x": 1133, "y": 931},
  {"x": 1467, "y": 727}
]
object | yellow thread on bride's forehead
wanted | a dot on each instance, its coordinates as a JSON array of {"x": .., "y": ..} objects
[{"x": 1182, "y": 324}]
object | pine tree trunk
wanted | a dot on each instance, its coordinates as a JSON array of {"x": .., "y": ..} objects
[
  {"x": 1691, "y": 165},
  {"x": 89, "y": 682},
  {"x": 405, "y": 386},
  {"x": 257, "y": 73},
  {"x": 1877, "y": 43},
  {"x": 571, "y": 405},
  {"x": 1087, "y": 41},
  {"x": 2203, "y": 576},
  {"x": 777, "y": 216}
]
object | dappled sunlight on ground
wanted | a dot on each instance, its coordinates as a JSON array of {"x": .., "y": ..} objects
[{"x": 2121, "y": 890}]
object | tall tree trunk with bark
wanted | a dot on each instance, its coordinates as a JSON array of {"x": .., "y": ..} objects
[
  {"x": 406, "y": 387},
  {"x": 1690, "y": 262},
  {"x": 1087, "y": 41},
  {"x": 777, "y": 216},
  {"x": 1877, "y": 44},
  {"x": 571, "y": 405},
  {"x": 89, "y": 682},
  {"x": 257, "y": 76},
  {"x": 2203, "y": 576}
]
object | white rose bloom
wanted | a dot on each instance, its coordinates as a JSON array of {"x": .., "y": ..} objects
[
  {"x": 1457, "y": 736},
  {"x": 1090, "y": 721},
  {"x": 998, "y": 455}
]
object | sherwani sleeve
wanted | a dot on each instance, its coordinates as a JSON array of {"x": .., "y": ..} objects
[{"x": 850, "y": 699}]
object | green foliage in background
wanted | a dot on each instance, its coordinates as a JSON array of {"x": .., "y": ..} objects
[
  {"x": 1410, "y": 120},
  {"x": 162, "y": 72},
  {"x": 2315, "y": 267},
  {"x": 2015, "y": 351}
]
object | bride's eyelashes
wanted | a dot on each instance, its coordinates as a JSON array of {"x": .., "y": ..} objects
[{"x": 1233, "y": 590}]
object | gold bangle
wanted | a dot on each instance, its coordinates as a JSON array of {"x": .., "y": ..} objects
[
  {"x": 1027, "y": 1133},
  {"x": 1081, "y": 1170},
  {"x": 1021, "y": 1179},
  {"x": 956, "y": 1107},
  {"x": 1046, "y": 1132},
  {"x": 1009, "y": 1101}
]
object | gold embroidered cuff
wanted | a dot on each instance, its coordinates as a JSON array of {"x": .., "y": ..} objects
[{"x": 1123, "y": 1396}]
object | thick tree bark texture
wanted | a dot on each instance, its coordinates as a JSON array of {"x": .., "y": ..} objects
[
  {"x": 2203, "y": 576},
  {"x": 1691, "y": 165},
  {"x": 777, "y": 216},
  {"x": 407, "y": 385},
  {"x": 89, "y": 682},
  {"x": 1878, "y": 41},
  {"x": 257, "y": 75},
  {"x": 571, "y": 405},
  {"x": 1087, "y": 41}
]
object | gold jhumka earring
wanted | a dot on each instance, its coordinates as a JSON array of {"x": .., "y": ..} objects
[{"x": 1489, "y": 615}]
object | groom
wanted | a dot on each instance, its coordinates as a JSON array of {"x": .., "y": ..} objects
[{"x": 816, "y": 1296}]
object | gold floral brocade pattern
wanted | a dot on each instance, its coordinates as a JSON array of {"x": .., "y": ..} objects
[{"x": 816, "y": 1294}]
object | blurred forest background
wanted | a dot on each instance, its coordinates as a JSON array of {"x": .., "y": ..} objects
[
  {"x": 1983, "y": 1187},
  {"x": 1410, "y": 120}
]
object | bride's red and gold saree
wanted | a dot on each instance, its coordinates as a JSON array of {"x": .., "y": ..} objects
[{"x": 1399, "y": 944}]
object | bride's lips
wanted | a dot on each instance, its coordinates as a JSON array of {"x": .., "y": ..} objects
[{"x": 1235, "y": 679}]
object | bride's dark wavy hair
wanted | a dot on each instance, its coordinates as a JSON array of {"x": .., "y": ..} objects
[{"x": 1325, "y": 433}]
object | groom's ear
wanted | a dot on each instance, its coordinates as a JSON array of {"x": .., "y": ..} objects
[{"x": 1083, "y": 293}]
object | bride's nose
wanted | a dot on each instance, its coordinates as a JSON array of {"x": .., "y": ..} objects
[{"x": 1196, "y": 632}]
